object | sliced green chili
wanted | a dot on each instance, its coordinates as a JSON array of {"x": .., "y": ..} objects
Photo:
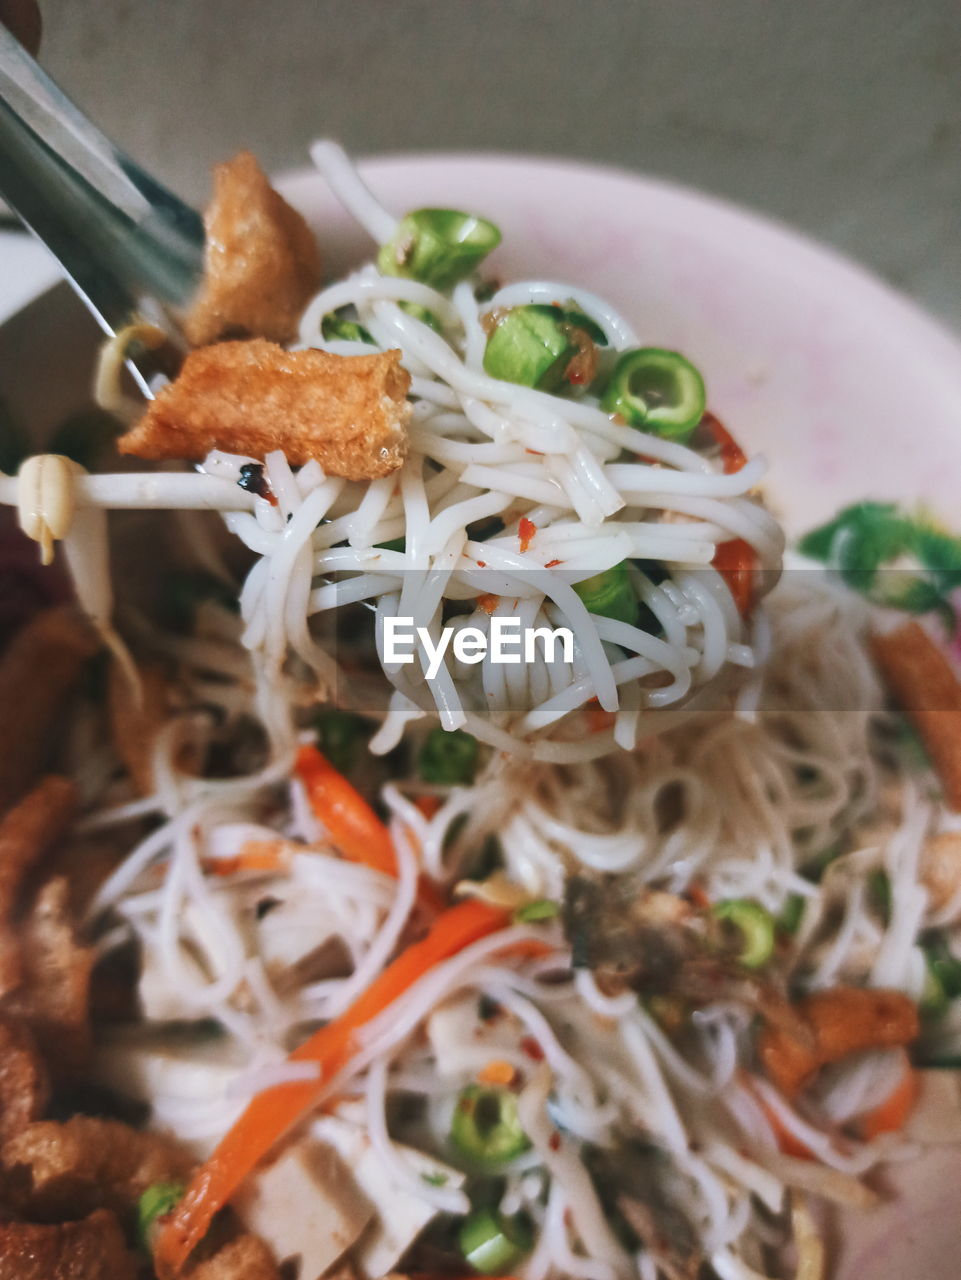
[
  {"x": 423, "y": 314},
  {"x": 532, "y": 912},
  {"x": 438, "y": 246},
  {"x": 492, "y": 1243},
  {"x": 944, "y": 965},
  {"x": 756, "y": 926},
  {"x": 610, "y": 594},
  {"x": 532, "y": 346},
  {"x": 486, "y": 1127},
  {"x": 879, "y": 890},
  {"x": 448, "y": 759},
  {"x": 334, "y": 327},
  {"x": 792, "y": 913},
  {"x": 340, "y": 735},
  {"x": 658, "y": 391},
  {"x": 158, "y": 1200}
]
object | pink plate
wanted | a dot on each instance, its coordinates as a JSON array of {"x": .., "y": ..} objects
[{"x": 848, "y": 389}]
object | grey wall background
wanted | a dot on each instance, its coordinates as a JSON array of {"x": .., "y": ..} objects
[{"x": 840, "y": 116}]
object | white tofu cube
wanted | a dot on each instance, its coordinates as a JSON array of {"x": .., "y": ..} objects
[{"x": 306, "y": 1206}]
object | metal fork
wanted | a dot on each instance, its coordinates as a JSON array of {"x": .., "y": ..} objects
[{"x": 130, "y": 247}]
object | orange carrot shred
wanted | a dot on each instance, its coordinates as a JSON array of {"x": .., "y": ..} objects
[
  {"x": 737, "y": 564},
  {"x": 488, "y": 603},
  {"x": 274, "y": 1111},
  {"x": 496, "y": 1071},
  {"x": 348, "y": 819}
]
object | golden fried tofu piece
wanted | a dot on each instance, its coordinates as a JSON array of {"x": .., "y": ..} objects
[
  {"x": 27, "y": 833},
  {"x": 348, "y": 412},
  {"x": 53, "y": 997},
  {"x": 92, "y": 1249},
  {"x": 261, "y": 263},
  {"x": 245, "y": 1258},
  {"x": 38, "y": 671},
  {"x": 87, "y": 1163},
  {"x": 24, "y": 1088}
]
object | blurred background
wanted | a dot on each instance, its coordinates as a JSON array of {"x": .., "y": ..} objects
[{"x": 842, "y": 117}]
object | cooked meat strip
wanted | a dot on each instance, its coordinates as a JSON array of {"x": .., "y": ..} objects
[
  {"x": 59, "y": 1170},
  {"x": 24, "y": 1087},
  {"x": 92, "y": 1249},
  {"x": 261, "y": 263},
  {"x": 840, "y": 1021},
  {"x": 135, "y": 724},
  {"x": 54, "y": 994},
  {"x": 348, "y": 412},
  {"x": 26, "y": 835},
  {"x": 39, "y": 669},
  {"x": 246, "y": 1258}
]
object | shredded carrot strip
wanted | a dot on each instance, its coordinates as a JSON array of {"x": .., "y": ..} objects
[
  {"x": 347, "y": 817},
  {"x": 698, "y": 895},
  {"x": 496, "y": 1072},
  {"x": 270, "y": 856},
  {"x": 787, "y": 1143},
  {"x": 488, "y": 603},
  {"x": 892, "y": 1114},
  {"x": 272, "y": 1112},
  {"x": 925, "y": 686}
]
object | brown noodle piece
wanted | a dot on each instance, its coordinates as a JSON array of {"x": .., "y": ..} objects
[
  {"x": 261, "y": 263},
  {"x": 350, "y": 413}
]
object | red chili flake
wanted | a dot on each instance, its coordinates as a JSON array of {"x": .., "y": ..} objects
[
  {"x": 533, "y": 1050},
  {"x": 733, "y": 457},
  {"x": 554, "y": 1142},
  {"x": 552, "y": 564},
  {"x": 535, "y": 453},
  {"x": 488, "y": 603},
  {"x": 482, "y": 564},
  {"x": 526, "y": 530}
]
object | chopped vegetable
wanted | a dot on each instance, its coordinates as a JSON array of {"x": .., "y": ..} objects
[
  {"x": 610, "y": 594},
  {"x": 347, "y": 817},
  {"x": 340, "y": 735},
  {"x": 497, "y": 1071},
  {"x": 532, "y": 912},
  {"x": 335, "y": 326},
  {"x": 924, "y": 684},
  {"x": 438, "y": 246},
  {"x": 943, "y": 975},
  {"x": 491, "y": 1242},
  {"x": 486, "y": 1128},
  {"x": 272, "y": 1112},
  {"x": 792, "y": 913},
  {"x": 423, "y": 314},
  {"x": 530, "y": 345},
  {"x": 879, "y": 892},
  {"x": 156, "y": 1202},
  {"x": 448, "y": 758},
  {"x": 754, "y": 924},
  {"x": 901, "y": 559},
  {"x": 658, "y": 391}
]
